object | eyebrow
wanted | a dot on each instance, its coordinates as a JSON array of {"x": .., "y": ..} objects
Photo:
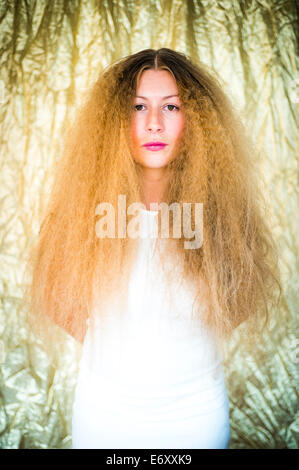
[{"x": 164, "y": 97}]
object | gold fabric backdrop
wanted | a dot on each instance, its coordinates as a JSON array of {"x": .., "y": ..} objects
[{"x": 51, "y": 51}]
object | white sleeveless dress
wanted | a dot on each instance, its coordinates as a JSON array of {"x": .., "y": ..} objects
[{"x": 152, "y": 379}]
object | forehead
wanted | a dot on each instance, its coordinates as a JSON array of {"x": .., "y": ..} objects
[{"x": 156, "y": 83}]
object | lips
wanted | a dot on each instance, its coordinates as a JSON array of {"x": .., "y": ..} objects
[{"x": 154, "y": 146}]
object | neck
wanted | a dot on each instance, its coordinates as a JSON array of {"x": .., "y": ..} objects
[{"x": 154, "y": 182}]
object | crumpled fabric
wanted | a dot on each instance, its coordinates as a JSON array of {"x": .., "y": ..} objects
[{"x": 51, "y": 51}]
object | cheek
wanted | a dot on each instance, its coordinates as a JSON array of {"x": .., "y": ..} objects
[
  {"x": 136, "y": 139},
  {"x": 179, "y": 127},
  {"x": 135, "y": 132}
]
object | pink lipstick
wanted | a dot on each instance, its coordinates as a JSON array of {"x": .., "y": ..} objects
[{"x": 154, "y": 146}]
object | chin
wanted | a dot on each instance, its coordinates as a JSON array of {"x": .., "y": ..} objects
[
  {"x": 152, "y": 165},
  {"x": 154, "y": 161}
]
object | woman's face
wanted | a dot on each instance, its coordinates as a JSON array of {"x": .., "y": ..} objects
[{"x": 157, "y": 117}]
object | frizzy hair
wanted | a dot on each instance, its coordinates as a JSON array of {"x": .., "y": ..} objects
[{"x": 236, "y": 268}]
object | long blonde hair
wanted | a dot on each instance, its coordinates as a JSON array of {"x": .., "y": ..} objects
[{"x": 238, "y": 260}]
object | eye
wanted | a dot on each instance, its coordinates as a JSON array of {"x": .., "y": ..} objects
[
  {"x": 136, "y": 106},
  {"x": 173, "y": 106}
]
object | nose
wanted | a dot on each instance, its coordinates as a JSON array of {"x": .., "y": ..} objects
[{"x": 154, "y": 122}]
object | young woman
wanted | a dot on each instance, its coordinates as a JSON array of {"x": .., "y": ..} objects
[{"x": 151, "y": 311}]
